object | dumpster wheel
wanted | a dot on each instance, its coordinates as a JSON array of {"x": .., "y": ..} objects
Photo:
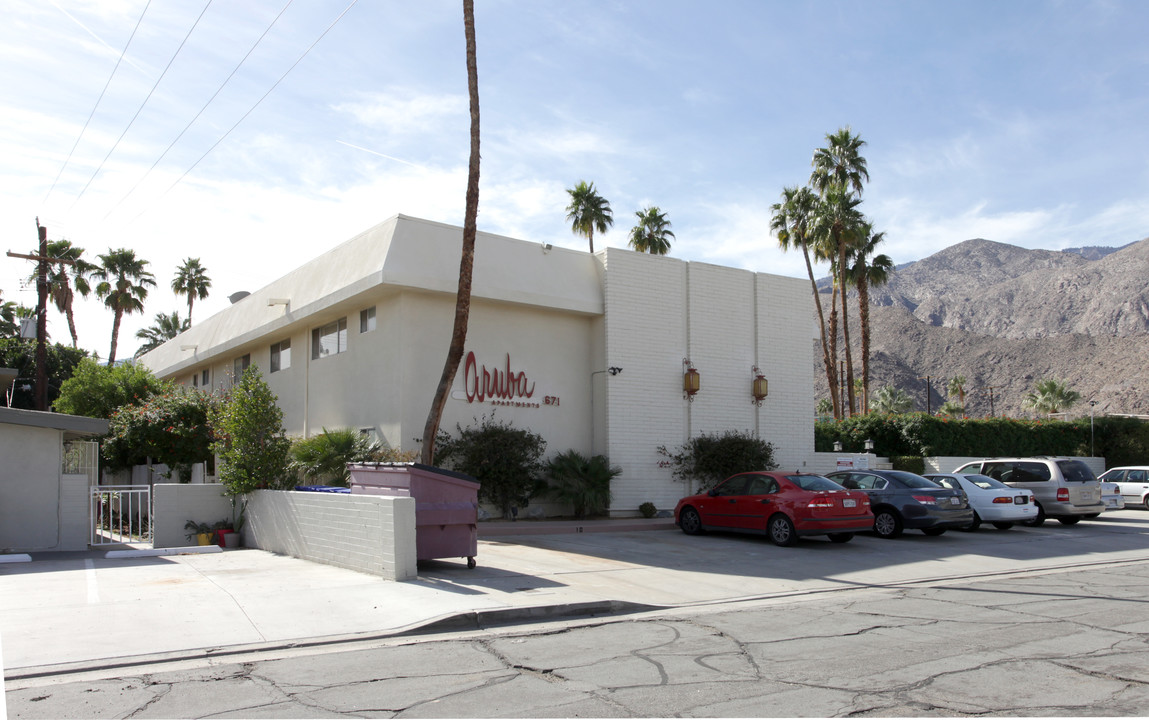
[{"x": 470, "y": 563}]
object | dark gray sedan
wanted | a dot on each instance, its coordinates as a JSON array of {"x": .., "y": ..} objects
[{"x": 905, "y": 501}]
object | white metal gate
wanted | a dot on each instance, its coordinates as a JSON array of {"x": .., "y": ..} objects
[{"x": 121, "y": 514}]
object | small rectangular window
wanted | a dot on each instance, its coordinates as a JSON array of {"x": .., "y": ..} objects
[
  {"x": 331, "y": 339},
  {"x": 195, "y": 380},
  {"x": 205, "y": 380},
  {"x": 367, "y": 320},
  {"x": 240, "y": 364},
  {"x": 281, "y": 355}
]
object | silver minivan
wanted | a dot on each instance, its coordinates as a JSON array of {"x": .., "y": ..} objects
[{"x": 1064, "y": 488}]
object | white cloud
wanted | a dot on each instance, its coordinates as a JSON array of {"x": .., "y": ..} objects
[{"x": 405, "y": 112}]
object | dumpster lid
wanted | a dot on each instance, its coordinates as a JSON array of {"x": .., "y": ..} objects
[{"x": 417, "y": 466}]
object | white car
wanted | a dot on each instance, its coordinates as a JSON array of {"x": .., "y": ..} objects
[
  {"x": 1132, "y": 482},
  {"x": 1111, "y": 496},
  {"x": 992, "y": 501}
]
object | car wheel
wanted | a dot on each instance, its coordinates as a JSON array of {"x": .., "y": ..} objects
[
  {"x": 1037, "y": 521},
  {"x": 781, "y": 531},
  {"x": 934, "y": 532},
  {"x": 1145, "y": 502},
  {"x": 1069, "y": 520},
  {"x": 973, "y": 525},
  {"x": 887, "y": 524},
  {"x": 1003, "y": 525},
  {"x": 840, "y": 537},
  {"x": 690, "y": 522}
]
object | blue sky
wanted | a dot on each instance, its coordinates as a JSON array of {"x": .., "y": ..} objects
[{"x": 1021, "y": 122}]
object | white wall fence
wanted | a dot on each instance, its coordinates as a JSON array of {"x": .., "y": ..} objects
[
  {"x": 174, "y": 504},
  {"x": 369, "y": 533}
]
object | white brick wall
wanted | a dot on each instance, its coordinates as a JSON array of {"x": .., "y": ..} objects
[
  {"x": 372, "y": 534},
  {"x": 661, "y": 310}
]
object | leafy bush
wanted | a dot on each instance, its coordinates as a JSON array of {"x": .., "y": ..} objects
[
  {"x": 648, "y": 509},
  {"x": 173, "y": 429},
  {"x": 710, "y": 459},
  {"x": 1119, "y": 440},
  {"x": 250, "y": 442},
  {"x": 95, "y": 390},
  {"x": 20, "y": 354},
  {"x": 581, "y": 482},
  {"x": 506, "y": 460},
  {"x": 909, "y": 463},
  {"x": 323, "y": 458}
]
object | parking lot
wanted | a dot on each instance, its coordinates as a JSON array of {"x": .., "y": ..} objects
[{"x": 81, "y": 612}]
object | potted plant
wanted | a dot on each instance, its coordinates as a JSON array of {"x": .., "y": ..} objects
[
  {"x": 237, "y": 520},
  {"x": 200, "y": 531},
  {"x": 221, "y": 531}
]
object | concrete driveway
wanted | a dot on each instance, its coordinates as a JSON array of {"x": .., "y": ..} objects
[{"x": 65, "y": 613}]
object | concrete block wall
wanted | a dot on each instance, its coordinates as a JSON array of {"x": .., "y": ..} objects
[
  {"x": 725, "y": 321},
  {"x": 174, "y": 504},
  {"x": 368, "y": 533},
  {"x": 75, "y": 526}
]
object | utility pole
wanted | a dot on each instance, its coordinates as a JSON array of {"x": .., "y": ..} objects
[
  {"x": 44, "y": 261},
  {"x": 927, "y": 379},
  {"x": 989, "y": 391}
]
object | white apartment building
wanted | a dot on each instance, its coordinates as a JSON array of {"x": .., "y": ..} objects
[{"x": 357, "y": 338}]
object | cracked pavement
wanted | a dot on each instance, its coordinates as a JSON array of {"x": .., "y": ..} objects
[{"x": 1059, "y": 643}]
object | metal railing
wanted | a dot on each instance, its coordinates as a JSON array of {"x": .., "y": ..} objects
[{"x": 120, "y": 514}]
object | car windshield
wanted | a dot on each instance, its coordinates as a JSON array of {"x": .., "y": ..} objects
[
  {"x": 1076, "y": 471},
  {"x": 910, "y": 480},
  {"x": 986, "y": 483},
  {"x": 814, "y": 482}
]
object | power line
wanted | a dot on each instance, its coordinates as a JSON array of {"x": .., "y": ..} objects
[
  {"x": 97, "y": 105},
  {"x": 257, "y": 102},
  {"x": 145, "y": 102},
  {"x": 202, "y": 109}
]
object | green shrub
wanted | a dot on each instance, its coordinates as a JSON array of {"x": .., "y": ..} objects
[
  {"x": 252, "y": 447},
  {"x": 648, "y": 509},
  {"x": 95, "y": 390},
  {"x": 581, "y": 482},
  {"x": 507, "y": 461},
  {"x": 711, "y": 458},
  {"x": 909, "y": 463},
  {"x": 323, "y": 458},
  {"x": 173, "y": 429}
]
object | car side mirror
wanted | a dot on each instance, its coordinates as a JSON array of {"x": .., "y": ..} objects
[{"x": 713, "y": 492}]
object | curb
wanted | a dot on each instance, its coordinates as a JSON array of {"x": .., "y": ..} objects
[
  {"x": 190, "y": 550},
  {"x": 473, "y": 620},
  {"x": 15, "y": 558}
]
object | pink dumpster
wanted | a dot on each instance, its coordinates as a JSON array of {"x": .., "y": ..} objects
[{"x": 446, "y": 505}]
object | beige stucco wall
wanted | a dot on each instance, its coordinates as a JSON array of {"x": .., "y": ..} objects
[{"x": 30, "y": 489}]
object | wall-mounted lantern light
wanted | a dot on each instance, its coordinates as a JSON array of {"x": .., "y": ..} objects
[
  {"x": 759, "y": 386},
  {"x": 691, "y": 380},
  {"x": 837, "y": 446},
  {"x": 869, "y": 445}
]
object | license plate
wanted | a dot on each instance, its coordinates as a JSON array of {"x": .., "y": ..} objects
[
  {"x": 955, "y": 501},
  {"x": 1087, "y": 496},
  {"x": 849, "y": 502}
]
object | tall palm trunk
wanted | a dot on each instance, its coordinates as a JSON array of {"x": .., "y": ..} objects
[
  {"x": 467, "y": 262},
  {"x": 838, "y": 411},
  {"x": 864, "y": 316},
  {"x": 846, "y": 324},
  {"x": 115, "y": 336},
  {"x": 821, "y": 328}
]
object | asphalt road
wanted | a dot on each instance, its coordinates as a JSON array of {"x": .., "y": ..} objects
[{"x": 1065, "y": 636}]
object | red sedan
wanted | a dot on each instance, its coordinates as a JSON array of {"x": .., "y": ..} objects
[{"x": 785, "y": 506}]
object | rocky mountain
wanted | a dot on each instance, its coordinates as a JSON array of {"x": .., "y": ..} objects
[{"x": 1005, "y": 317}]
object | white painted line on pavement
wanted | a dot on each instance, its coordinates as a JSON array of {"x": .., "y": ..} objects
[{"x": 93, "y": 584}]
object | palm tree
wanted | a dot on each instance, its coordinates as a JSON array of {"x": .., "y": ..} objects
[
  {"x": 9, "y": 325},
  {"x": 1051, "y": 396},
  {"x": 191, "y": 279},
  {"x": 889, "y": 399},
  {"x": 867, "y": 270},
  {"x": 837, "y": 175},
  {"x": 837, "y": 222},
  {"x": 957, "y": 387},
  {"x": 588, "y": 212},
  {"x": 652, "y": 233},
  {"x": 951, "y": 409},
  {"x": 790, "y": 221},
  {"x": 62, "y": 284},
  {"x": 165, "y": 328},
  {"x": 467, "y": 260},
  {"x": 123, "y": 286}
]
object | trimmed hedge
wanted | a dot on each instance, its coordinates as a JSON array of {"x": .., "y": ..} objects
[{"x": 1121, "y": 441}]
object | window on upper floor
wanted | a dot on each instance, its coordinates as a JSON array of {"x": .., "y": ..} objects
[
  {"x": 237, "y": 368},
  {"x": 281, "y": 355},
  {"x": 331, "y": 339},
  {"x": 205, "y": 378},
  {"x": 367, "y": 320}
]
